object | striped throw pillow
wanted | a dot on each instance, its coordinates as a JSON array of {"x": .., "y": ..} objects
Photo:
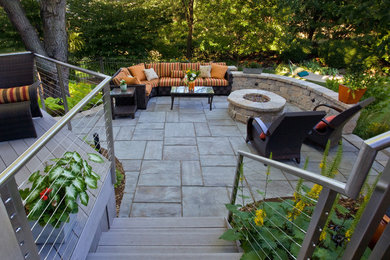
[{"x": 11, "y": 95}]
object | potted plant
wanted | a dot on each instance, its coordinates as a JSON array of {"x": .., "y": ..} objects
[
  {"x": 354, "y": 87},
  {"x": 54, "y": 195},
  {"x": 252, "y": 68},
  {"x": 190, "y": 77},
  {"x": 123, "y": 85}
]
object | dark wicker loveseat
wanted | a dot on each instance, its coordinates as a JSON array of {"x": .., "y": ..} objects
[
  {"x": 19, "y": 101},
  {"x": 162, "y": 86}
]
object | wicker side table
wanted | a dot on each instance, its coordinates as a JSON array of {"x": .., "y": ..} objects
[{"x": 123, "y": 108}]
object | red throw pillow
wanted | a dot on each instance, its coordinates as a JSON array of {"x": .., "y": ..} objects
[
  {"x": 262, "y": 136},
  {"x": 321, "y": 125}
]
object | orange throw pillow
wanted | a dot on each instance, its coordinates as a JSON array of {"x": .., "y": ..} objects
[
  {"x": 218, "y": 71},
  {"x": 322, "y": 125},
  {"x": 138, "y": 71},
  {"x": 133, "y": 81}
]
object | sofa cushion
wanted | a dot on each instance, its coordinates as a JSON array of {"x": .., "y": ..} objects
[
  {"x": 193, "y": 66},
  {"x": 21, "y": 94},
  {"x": 149, "y": 85},
  {"x": 155, "y": 66},
  {"x": 177, "y": 74},
  {"x": 167, "y": 67},
  {"x": 218, "y": 71},
  {"x": 205, "y": 71},
  {"x": 132, "y": 81},
  {"x": 215, "y": 82},
  {"x": 123, "y": 74},
  {"x": 199, "y": 82},
  {"x": 150, "y": 74},
  {"x": 12, "y": 95},
  {"x": 138, "y": 71},
  {"x": 169, "y": 82}
]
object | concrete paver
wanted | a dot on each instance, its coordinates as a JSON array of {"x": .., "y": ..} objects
[{"x": 182, "y": 162}]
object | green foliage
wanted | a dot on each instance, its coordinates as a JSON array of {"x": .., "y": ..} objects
[
  {"x": 53, "y": 195},
  {"x": 264, "y": 232},
  {"x": 119, "y": 177},
  {"x": 77, "y": 91}
]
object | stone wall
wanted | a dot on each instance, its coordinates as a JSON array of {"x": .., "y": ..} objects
[{"x": 303, "y": 94}]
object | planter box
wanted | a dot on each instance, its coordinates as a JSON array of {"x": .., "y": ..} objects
[
  {"x": 347, "y": 97},
  {"x": 59, "y": 235},
  {"x": 252, "y": 70}
]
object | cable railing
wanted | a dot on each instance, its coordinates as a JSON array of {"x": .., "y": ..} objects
[
  {"x": 278, "y": 211},
  {"x": 53, "y": 190}
]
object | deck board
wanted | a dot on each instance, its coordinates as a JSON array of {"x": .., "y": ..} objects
[{"x": 63, "y": 141}]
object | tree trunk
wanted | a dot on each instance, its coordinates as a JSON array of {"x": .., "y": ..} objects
[
  {"x": 55, "y": 37},
  {"x": 54, "y": 29},
  {"x": 189, "y": 13},
  {"x": 19, "y": 20}
]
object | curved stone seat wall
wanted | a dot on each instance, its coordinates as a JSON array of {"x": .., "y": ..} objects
[{"x": 303, "y": 94}]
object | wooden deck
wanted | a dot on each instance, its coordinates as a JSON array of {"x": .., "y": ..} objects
[{"x": 84, "y": 227}]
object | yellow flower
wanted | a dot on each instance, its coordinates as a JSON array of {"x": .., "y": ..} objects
[
  {"x": 323, "y": 235},
  {"x": 348, "y": 234},
  {"x": 300, "y": 205},
  {"x": 322, "y": 165},
  {"x": 315, "y": 191},
  {"x": 259, "y": 219}
]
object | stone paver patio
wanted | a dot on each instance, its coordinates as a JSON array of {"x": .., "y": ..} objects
[{"x": 182, "y": 162}]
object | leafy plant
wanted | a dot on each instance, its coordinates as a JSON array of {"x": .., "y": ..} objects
[
  {"x": 272, "y": 228},
  {"x": 77, "y": 91},
  {"x": 191, "y": 75},
  {"x": 54, "y": 193},
  {"x": 356, "y": 81}
]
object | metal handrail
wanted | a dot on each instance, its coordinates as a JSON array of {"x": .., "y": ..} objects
[
  {"x": 331, "y": 187},
  {"x": 351, "y": 188},
  {"x": 15, "y": 166}
]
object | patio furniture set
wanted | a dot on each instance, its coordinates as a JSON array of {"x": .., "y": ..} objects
[{"x": 282, "y": 137}]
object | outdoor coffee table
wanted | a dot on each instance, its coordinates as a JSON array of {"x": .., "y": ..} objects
[{"x": 199, "y": 91}]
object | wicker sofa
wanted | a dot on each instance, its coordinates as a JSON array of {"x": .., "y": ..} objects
[{"x": 162, "y": 85}]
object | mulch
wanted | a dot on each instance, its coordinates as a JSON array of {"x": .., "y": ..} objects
[{"x": 120, "y": 187}]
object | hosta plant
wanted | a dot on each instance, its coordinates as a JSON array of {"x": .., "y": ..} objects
[{"x": 55, "y": 193}]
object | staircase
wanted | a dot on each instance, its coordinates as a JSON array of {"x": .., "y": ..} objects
[{"x": 166, "y": 238}]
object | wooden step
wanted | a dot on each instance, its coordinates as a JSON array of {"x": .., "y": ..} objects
[
  {"x": 195, "y": 256},
  {"x": 162, "y": 239},
  {"x": 167, "y": 249},
  {"x": 188, "y": 222},
  {"x": 219, "y": 231}
]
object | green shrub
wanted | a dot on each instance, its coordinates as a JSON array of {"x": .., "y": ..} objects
[
  {"x": 342, "y": 53},
  {"x": 297, "y": 50},
  {"x": 77, "y": 91}
]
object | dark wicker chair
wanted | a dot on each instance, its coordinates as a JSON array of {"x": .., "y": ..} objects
[
  {"x": 16, "y": 121},
  {"x": 16, "y": 118},
  {"x": 333, "y": 130},
  {"x": 284, "y": 136}
]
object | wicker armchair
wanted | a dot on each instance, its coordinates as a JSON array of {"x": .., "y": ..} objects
[
  {"x": 284, "y": 136},
  {"x": 332, "y": 129},
  {"x": 16, "y": 117}
]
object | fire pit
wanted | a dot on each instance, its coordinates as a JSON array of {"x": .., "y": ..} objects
[{"x": 245, "y": 103}]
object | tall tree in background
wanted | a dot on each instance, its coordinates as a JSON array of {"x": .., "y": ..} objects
[
  {"x": 55, "y": 40},
  {"x": 188, "y": 6}
]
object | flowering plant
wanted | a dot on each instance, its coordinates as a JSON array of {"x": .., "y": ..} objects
[
  {"x": 54, "y": 194},
  {"x": 266, "y": 227},
  {"x": 191, "y": 75}
]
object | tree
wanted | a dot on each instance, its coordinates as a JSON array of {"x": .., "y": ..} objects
[
  {"x": 188, "y": 6},
  {"x": 55, "y": 43}
]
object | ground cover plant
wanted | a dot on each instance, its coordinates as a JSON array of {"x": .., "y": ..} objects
[
  {"x": 272, "y": 228},
  {"x": 77, "y": 91}
]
